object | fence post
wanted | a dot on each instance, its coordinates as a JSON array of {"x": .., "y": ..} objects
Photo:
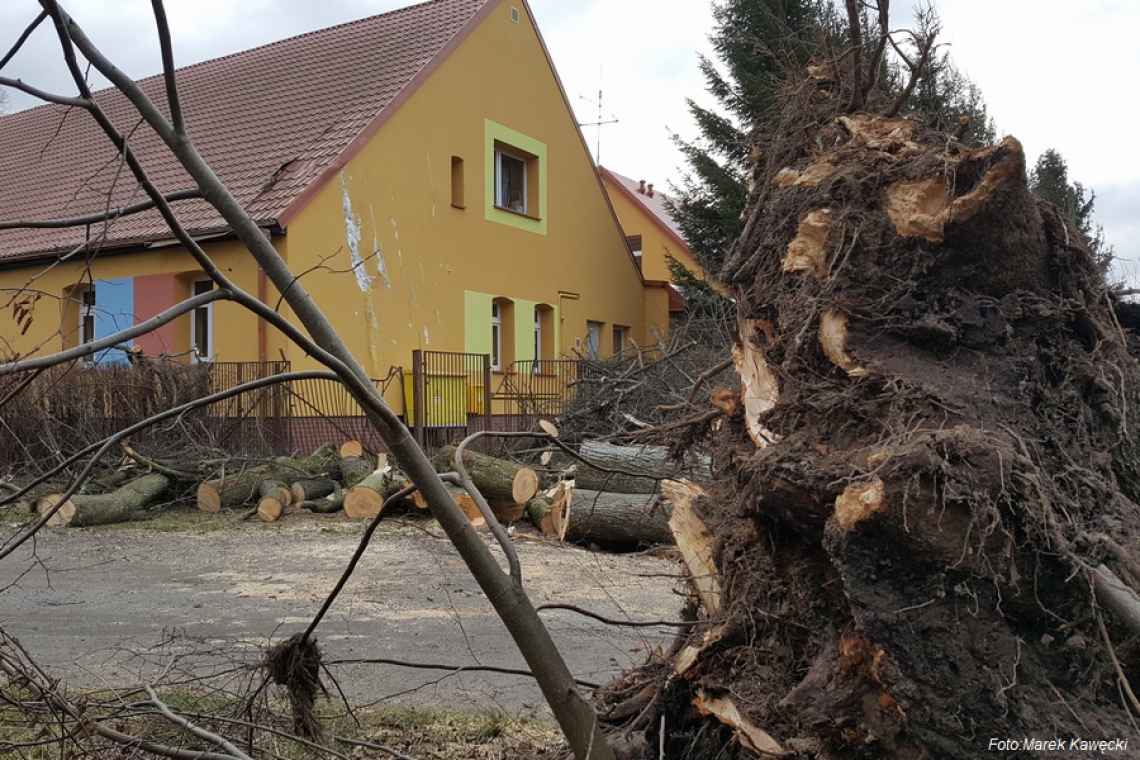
[
  {"x": 488, "y": 396},
  {"x": 419, "y": 391}
]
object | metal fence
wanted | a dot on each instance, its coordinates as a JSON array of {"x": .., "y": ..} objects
[
  {"x": 451, "y": 396},
  {"x": 445, "y": 396},
  {"x": 531, "y": 390}
]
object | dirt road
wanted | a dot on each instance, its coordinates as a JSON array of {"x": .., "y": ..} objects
[{"x": 101, "y": 606}]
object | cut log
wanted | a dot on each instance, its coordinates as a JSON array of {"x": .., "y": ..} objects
[
  {"x": 694, "y": 541},
  {"x": 231, "y": 491},
  {"x": 351, "y": 449},
  {"x": 462, "y": 499},
  {"x": 525, "y": 486},
  {"x": 550, "y": 513},
  {"x": 275, "y": 489},
  {"x": 104, "y": 509},
  {"x": 270, "y": 509},
  {"x": 618, "y": 519},
  {"x": 334, "y": 502},
  {"x": 652, "y": 460},
  {"x": 365, "y": 500},
  {"x": 353, "y": 470},
  {"x": 497, "y": 479},
  {"x": 243, "y": 487},
  {"x": 311, "y": 490}
]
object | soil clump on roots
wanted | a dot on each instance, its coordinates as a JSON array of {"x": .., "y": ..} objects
[{"x": 934, "y": 452}]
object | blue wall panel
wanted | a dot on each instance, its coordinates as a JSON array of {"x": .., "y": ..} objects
[{"x": 114, "y": 311}]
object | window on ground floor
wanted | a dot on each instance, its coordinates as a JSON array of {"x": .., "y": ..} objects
[
  {"x": 594, "y": 339},
  {"x": 621, "y": 335},
  {"x": 202, "y": 325}
]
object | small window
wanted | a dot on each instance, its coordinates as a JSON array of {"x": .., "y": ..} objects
[
  {"x": 496, "y": 336},
  {"x": 514, "y": 14},
  {"x": 594, "y": 340},
  {"x": 620, "y": 335},
  {"x": 537, "y": 338},
  {"x": 634, "y": 242},
  {"x": 457, "y": 183},
  {"x": 87, "y": 315},
  {"x": 202, "y": 325},
  {"x": 511, "y": 181}
]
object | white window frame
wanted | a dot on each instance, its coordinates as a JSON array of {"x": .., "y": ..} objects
[
  {"x": 500, "y": 202},
  {"x": 209, "y": 309},
  {"x": 496, "y": 336}
]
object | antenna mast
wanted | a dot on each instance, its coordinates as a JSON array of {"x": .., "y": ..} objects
[{"x": 600, "y": 123}]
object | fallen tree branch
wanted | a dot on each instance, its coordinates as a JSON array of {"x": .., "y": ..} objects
[
  {"x": 201, "y": 733},
  {"x": 455, "y": 668},
  {"x": 622, "y": 623}
]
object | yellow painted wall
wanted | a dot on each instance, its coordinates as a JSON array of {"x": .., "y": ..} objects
[
  {"x": 389, "y": 212},
  {"x": 421, "y": 255},
  {"x": 55, "y": 325},
  {"x": 656, "y": 245}
]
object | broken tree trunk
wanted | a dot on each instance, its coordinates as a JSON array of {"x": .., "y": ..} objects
[
  {"x": 550, "y": 512},
  {"x": 618, "y": 519},
  {"x": 104, "y": 509},
  {"x": 497, "y": 479}
]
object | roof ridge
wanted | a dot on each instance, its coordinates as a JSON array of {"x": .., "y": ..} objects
[{"x": 246, "y": 51}]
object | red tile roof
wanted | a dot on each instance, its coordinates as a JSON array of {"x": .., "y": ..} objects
[
  {"x": 655, "y": 206},
  {"x": 271, "y": 121}
]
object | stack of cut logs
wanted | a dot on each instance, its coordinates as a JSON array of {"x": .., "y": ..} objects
[{"x": 611, "y": 509}]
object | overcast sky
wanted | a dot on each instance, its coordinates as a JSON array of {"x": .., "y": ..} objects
[{"x": 1055, "y": 73}]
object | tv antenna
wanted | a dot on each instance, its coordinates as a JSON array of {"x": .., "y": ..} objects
[{"x": 604, "y": 120}]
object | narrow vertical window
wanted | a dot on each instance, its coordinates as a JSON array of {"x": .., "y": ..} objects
[
  {"x": 202, "y": 325},
  {"x": 619, "y": 341},
  {"x": 594, "y": 340},
  {"x": 457, "y": 183},
  {"x": 87, "y": 315},
  {"x": 537, "y": 339},
  {"x": 634, "y": 242},
  {"x": 496, "y": 336}
]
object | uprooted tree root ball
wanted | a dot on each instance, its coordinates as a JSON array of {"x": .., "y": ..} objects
[
  {"x": 295, "y": 664},
  {"x": 932, "y": 474}
]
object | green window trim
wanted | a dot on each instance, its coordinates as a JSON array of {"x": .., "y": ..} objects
[
  {"x": 495, "y": 133},
  {"x": 477, "y": 324}
]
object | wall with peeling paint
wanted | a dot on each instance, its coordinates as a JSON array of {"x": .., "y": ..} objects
[
  {"x": 389, "y": 257},
  {"x": 388, "y": 218}
]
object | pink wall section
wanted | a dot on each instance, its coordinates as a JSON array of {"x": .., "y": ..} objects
[{"x": 153, "y": 295}]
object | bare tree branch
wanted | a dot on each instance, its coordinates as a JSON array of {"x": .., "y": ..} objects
[
  {"x": 201, "y": 733},
  {"x": 23, "y": 38}
]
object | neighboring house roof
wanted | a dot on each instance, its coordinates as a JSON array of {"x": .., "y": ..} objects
[
  {"x": 655, "y": 205},
  {"x": 273, "y": 122}
]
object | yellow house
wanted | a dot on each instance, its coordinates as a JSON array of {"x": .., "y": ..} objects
[
  {"x": 650, "y": 229},
  {"x": 421, "y": 170}
]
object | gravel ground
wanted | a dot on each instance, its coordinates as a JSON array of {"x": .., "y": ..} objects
[{"x": 108, "y": 607}]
